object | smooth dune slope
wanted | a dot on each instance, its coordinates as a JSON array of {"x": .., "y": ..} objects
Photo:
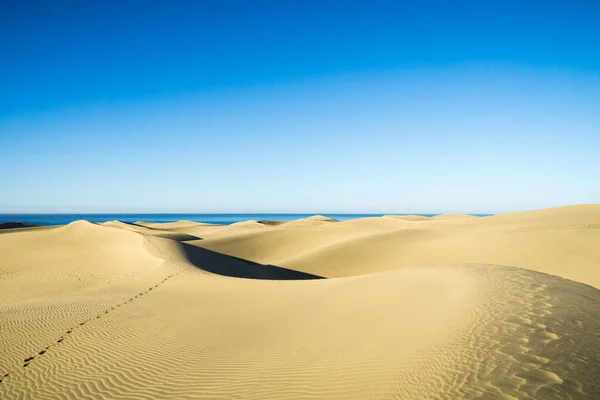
[
  {"x": 164, "y": 233},
  {"x": 562, "y": 241},
  {"x": 52, "y": 277},
  {"x": 96, "y": 312}
]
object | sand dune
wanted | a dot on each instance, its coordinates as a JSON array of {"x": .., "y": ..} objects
[
  {"x": 452, "y": 216},
  {"x": 314, "y": 220},
  {"x": 164, "y": 233},
  {"x": 421, "y": 309},
  {"x": 173, "y": 225},
  {"x": 408, "y": 217},
  {"x": 562, "y": 241}
]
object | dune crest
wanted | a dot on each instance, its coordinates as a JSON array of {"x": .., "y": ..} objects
[
  {"x": 408, "y": 217},
  {"x": 452, "y": 216},
  {"x": 318, "y": 218},
  {"x": 164, "y": 233},
  {"x": 561, "y": 241},
  {"x": 120, "y": 310}
]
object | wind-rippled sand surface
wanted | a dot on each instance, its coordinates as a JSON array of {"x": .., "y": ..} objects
[{"x": 450, "y": 307}]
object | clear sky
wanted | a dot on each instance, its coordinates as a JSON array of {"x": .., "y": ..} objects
[{"x": 298, "y": 106}]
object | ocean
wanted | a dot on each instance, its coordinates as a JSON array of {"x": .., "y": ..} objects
[{"x": 225, "y": 219}]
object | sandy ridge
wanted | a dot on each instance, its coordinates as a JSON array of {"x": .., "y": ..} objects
[{"x": 109, "y": 325}]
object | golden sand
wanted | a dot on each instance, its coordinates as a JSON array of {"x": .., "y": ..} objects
[{"x": 450, "y": 307}]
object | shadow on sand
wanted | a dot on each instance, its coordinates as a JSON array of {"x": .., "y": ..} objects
[
  {"x": 223, "y": 264},
  {"x": 16, "y": 225}
]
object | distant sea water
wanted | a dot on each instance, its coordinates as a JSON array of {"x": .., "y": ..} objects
[{"x": 224, "y": 219}]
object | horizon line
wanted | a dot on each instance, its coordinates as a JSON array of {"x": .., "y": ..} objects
[{"x": 242, "y": 213}]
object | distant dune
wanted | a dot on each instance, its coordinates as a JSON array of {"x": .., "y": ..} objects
[
  {"x": 561, "y": 241},
  {"x": 172, "y": 225},
  {"x": 449, "y": 307},
  {"x": 145, "y": 230},
  {"x": 452, "y": 216},
  {"x": 408, "y": 217}
]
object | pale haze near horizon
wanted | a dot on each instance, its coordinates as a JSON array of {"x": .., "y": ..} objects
[{"x": 475, "y": 135}]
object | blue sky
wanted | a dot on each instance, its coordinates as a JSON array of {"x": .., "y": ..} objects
[{"x": 298, "y": 106}]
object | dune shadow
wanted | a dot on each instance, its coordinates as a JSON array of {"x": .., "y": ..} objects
[
  {"x": 223, "y": 264},
  {"x": 16, "y": 225},
  {"x": 269, "y": 222}
]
